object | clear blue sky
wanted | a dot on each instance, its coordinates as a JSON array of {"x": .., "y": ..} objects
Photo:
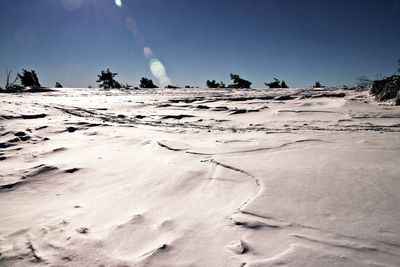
[{"x": 300, "y": 41}]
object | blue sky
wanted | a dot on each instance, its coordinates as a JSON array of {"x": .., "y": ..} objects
[{"x": 300, "y": 41}]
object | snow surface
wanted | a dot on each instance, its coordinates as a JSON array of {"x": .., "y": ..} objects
[{"x": 199, "y": 177}]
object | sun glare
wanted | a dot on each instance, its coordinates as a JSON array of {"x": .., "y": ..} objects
[
  {"x": 158, "y": 71},
  {"x": 118, "y": 3}
]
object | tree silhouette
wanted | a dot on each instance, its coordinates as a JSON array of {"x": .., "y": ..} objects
[
  {"x": 239, "y": 82},
  {"x": 128, "y": 86},
  {"x": 147, "y": 83},
  {"x": 277, "y": 84},
  {"x": 29, "y": 78},
  {"x": 398, "y": 61},
  {"x": 107, "y": 81},
  {"x": 58, "y": 85},
  {"x": 212, "y": 84},
  {"x": 172, "y": 87},
  {"x": 317, "y": 85}
]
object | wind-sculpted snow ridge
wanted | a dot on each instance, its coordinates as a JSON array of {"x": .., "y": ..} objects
[
  {"x": 208, "y": 121},
  {"x": 199, "y": 177}
]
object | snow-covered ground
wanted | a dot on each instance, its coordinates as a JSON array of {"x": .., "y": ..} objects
[{"x": 199, "y": 177}]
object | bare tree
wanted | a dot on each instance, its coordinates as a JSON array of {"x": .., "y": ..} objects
[
  {"x": 12, "y": 86},
  {"x": 363, "y": 82}
]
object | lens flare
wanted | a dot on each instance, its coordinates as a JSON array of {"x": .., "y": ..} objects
[
  {"x": 156, "y": 67},
  {"x": 133, "y": 28},
  {"x": 118, "y": 3},
  {"x": 147, "y": 52},
  {"x": 159, "y": 72},
  {"x": 72, "y": 4}
]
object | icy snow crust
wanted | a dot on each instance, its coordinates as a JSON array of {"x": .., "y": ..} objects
[{"x": 199, "y": 177}]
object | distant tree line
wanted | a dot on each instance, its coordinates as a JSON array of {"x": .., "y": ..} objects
[
  {"x": 241, "y": 83},
  {"x": 106, "y": 80}
]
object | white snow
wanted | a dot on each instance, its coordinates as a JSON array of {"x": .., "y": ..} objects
[{"x": 199, "y": 177}]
